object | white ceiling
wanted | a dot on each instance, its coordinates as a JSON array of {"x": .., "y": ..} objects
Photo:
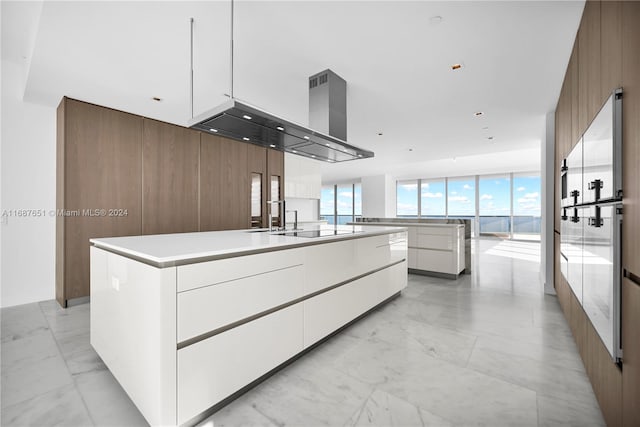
[{"x": 395, "y": 59}]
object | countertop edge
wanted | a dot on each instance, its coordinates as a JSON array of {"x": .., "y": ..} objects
[{"x": 233, "y": 253}]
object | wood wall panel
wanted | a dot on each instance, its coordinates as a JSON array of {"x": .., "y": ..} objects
[
  {"x": 606, "y": 376},
  {"x": 574, "y": 78},
  {"x": 275, "y": 167},
  {"x": 631, "y": 345},
  {"x": 577, "y": 323},
  {"x": 103, "y": 158},
  {"x": 170, "y": 178},
  {"x": 607, "y": 54},
  {"x": 257, "y": 157},
  {"x": 631, "y": 135},
  {"x": 631, "y": 236},
  {"x": 60, "y": 187},
  {"x": 610, "y": 47},
  {"x": 224, "y": 184}
]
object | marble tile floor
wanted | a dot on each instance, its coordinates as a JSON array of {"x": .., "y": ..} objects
[{"x": 488, "y": 349}]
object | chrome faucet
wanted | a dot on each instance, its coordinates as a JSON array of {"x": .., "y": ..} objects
[
  {"x": 281, "y": 214},
  {"x": 295, "y": 219}
]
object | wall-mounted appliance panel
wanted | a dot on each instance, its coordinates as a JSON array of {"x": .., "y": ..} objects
[
  {"x": 601, "y": 272},
  {"x": 574, "y": 177},
  {"x": 602, "y": 150}
]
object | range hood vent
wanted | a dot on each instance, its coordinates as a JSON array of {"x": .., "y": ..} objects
[{"x": 244, "y": 122}]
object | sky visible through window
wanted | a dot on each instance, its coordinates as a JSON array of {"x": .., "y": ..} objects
[{"x": 494, "y": 193}]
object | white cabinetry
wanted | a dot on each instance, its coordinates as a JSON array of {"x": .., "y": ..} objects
[
  {"x": 302, "y": 177},
  {"x": 183, "y": 339}
]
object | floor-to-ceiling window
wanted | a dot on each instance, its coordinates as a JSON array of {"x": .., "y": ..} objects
[
  {"x": 495, "y": 205},
  {"x": 328, "y": 203},
  {"x": 433, "y": 198},
  {"x": 503, "y": 205},
  {"x": 341, "y": 203},
  {"x": 526, "y": 205},
  {"x": 407, "y": 198},
  {"x": 461, "y": 199}
]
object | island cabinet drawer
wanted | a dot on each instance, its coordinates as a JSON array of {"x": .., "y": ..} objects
[
  {"x": 215, "y": 368},
  {"x": 329, "y": 311},
  {"x": 439, "y": 261},
  {"x": 207, "y": 309},
  {"x": 436, "y": 241},
  {"x": 209, "y": 273}
]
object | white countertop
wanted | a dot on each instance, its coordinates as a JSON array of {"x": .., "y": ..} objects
[
  {"x": 408, "y": 224},
  {"x": 166, "y": 250}
]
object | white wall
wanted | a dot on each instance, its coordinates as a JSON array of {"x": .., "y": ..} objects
[
  {"x": 28, "y": 180},
  {"x": 378, "y": 196},
  {"x": 547, "y": 170}
]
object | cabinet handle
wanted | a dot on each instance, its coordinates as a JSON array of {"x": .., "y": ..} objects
[
  {"x": 575, "y": 194},
  {"x": 596, "y": 221},
  {"x": 596, "y": 185},
  {"x": 575, "y": 217}
]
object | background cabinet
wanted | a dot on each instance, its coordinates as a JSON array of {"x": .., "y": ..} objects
[
  {"x": 99, "y": 153},
  {"x": 170, "y": 157},
  {"x": 168, "y": 179},
  {"x": 224, "y": 184}
]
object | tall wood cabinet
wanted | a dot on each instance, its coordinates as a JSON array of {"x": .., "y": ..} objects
[
  {"x": 119, "y": 174},
  {"x": 606, "y": 55},
  {"x": 99, "y": 187},
  {"x": 170, "y": 174},
  {"x": 224, "y": 184}
]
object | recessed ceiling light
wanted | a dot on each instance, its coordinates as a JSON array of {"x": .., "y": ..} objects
[
  {"x": 327, "y": 144},
  {"x": 359, "y": 155},
  {"x": 313, "y": 156},
  {"x": 478, "y": 113},
  {"x": 245, "y": 138},
  {"x": 305, "y": 137},
  {"x": 280, "y": 128},
  {"x": 456, "y": 67},
  {"x": 246, "y": 117},
  {"x": 213, "y": 130},
  {"x": 272, "y": 145},
  {"x": 157, "y": 99},
  {"x": 294, "y": 151}
]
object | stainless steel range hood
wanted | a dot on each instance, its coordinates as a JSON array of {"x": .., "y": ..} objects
[
  {"x": 327, "y": 108},
  {"x": 244, "y": 122}
]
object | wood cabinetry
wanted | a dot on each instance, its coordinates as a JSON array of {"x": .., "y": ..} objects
[
  {"x": 99, "y": 187},
  {"x": 224, "y": 184},
  {"x": 631, "y": 136},
  {"x": 119, "y": 174},
  {"x": 631, "y": 343},
  {"x": 170, "y": 178},
  {"x": 257, "y": 158},
  {"x": 606, "y": 56}
]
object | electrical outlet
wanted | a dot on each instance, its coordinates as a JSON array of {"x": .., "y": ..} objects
[{"x": 115, "y": 283}]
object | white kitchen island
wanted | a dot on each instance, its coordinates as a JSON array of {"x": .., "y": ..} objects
[{"x": 187, "y": 321}]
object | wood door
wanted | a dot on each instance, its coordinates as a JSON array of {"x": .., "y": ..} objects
[
  {"x": 275, "y": 173},
  {"x": 631, "y": 237},
  {"x": 631, "y": 136},
  {"x": 631, "y": 349},
  {"x": 610, "y": 47},
  {"x": 224, "y": 184},
  {"x": 574, "y": 79},
  {"x": 257, "y": 158},
  {"x": 101, "y": 171},
  {"x": 170, "y": 178}
]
